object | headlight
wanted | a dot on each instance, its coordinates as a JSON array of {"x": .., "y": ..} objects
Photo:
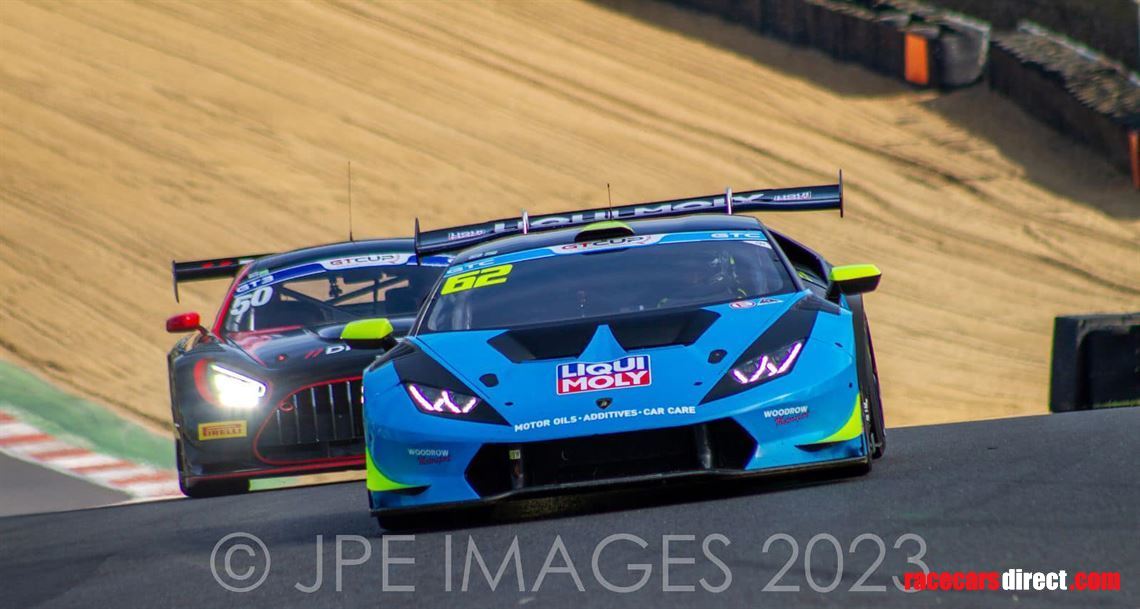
[
  {"x": 452, "y": 404},
  {"x": 768, "y": 365},
  {"x": 234, "y": 390},
  {"x": 435, "y": 401}
]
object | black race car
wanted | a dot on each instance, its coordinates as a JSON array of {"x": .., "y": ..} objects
[{"x": 270, "y": 388}]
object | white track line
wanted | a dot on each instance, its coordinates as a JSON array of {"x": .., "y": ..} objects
[{"x": 29, "y": 443}]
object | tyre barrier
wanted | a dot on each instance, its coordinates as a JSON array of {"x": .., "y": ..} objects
[
  {"x": 925, "y": 46},
  {"x": 719, "y": 7},
  {"x": 785, "y": 19},
  {"x": 964, "y": 45},
  {"x": 1061, "y": 83},
  {"x": 942, "y": 49},
  {"x": 890, "y": 54},
  {"x": 861, "y": 37},
  {"x": 748, "y": 12},
  {"x": 820, "y": 30},
  {"x": 1071, "y": 88},
  {"x": 1096, "y": 362},
  {"x": 1110, "y": 26}
]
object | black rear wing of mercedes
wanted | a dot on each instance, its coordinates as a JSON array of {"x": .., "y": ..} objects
[
  {"x": 215, "y": 268},
  {"x": 799, "y": 198}
]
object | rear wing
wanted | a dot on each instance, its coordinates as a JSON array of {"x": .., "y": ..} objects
[
  {"x": 800, "y": 198},
  {"x": 217, "y": 268}
]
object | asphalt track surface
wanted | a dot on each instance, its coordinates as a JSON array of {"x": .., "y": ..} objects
[
  {"x": 29, "y": 488},
  {"x": 1038, "y": 493}
]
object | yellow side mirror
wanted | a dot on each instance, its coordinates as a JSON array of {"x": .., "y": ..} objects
[
  {"x": 855, "y": 278},
  {"x": 368, "y": 334}
]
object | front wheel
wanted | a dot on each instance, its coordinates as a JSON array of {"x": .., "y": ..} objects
[{"x": 868, "y": 379}]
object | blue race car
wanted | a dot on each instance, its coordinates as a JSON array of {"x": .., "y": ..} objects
[{"x": 617, "y": 346}]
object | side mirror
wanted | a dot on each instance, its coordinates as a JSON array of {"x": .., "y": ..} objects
[
  {"x": 368, "y": 334},
  {"x": 854, "y": 279},
  {"x": 185, "y": 322}
]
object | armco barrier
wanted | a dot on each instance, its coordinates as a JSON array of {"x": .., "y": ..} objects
[{"x": 1096, "y": 362}]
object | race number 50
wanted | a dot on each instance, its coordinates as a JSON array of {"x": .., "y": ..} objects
[{"x": 476, "y": 279}]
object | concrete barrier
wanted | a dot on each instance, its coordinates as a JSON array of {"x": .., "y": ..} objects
[{"x": 1096, "y": 362}]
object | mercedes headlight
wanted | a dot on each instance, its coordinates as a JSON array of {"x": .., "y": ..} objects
[{"x": 235, "y": 390}]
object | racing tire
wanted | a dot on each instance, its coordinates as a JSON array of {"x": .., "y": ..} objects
[
  {"x": 202, "y": 489},
  {"x": 868, "y": 380}
]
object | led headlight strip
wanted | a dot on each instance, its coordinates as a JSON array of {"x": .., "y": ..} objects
[
  {"x": 432, "y": 400},
  {"x": 434, "y": 390},
  {"x": 769, "y": 365},
  {"x": 774, "y": 353}
]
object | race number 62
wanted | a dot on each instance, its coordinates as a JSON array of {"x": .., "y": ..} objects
[{"x": 476, "y": 279}]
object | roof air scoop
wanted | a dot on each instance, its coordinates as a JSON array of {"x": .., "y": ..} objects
[{"x": 607, "y": 229}]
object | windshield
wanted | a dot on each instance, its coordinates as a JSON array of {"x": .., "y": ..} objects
[
  {"x": 330, "y": 291},
  {"x": 596, "y": 280}
]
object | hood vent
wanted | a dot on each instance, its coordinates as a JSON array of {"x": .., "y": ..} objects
[
  {"x": 642, "y": 331},
  {"x": 550, "y": 342},
  {"x": 662, "y": 329}
]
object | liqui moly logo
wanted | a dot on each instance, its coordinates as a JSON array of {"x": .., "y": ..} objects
[{"x": 579, "y": 377}]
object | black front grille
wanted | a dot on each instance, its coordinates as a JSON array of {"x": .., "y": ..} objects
[
  {"x": 610, "y": 456},
  {"x": 498, "y": 468},
  {"x": 324, "y": 420}
]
